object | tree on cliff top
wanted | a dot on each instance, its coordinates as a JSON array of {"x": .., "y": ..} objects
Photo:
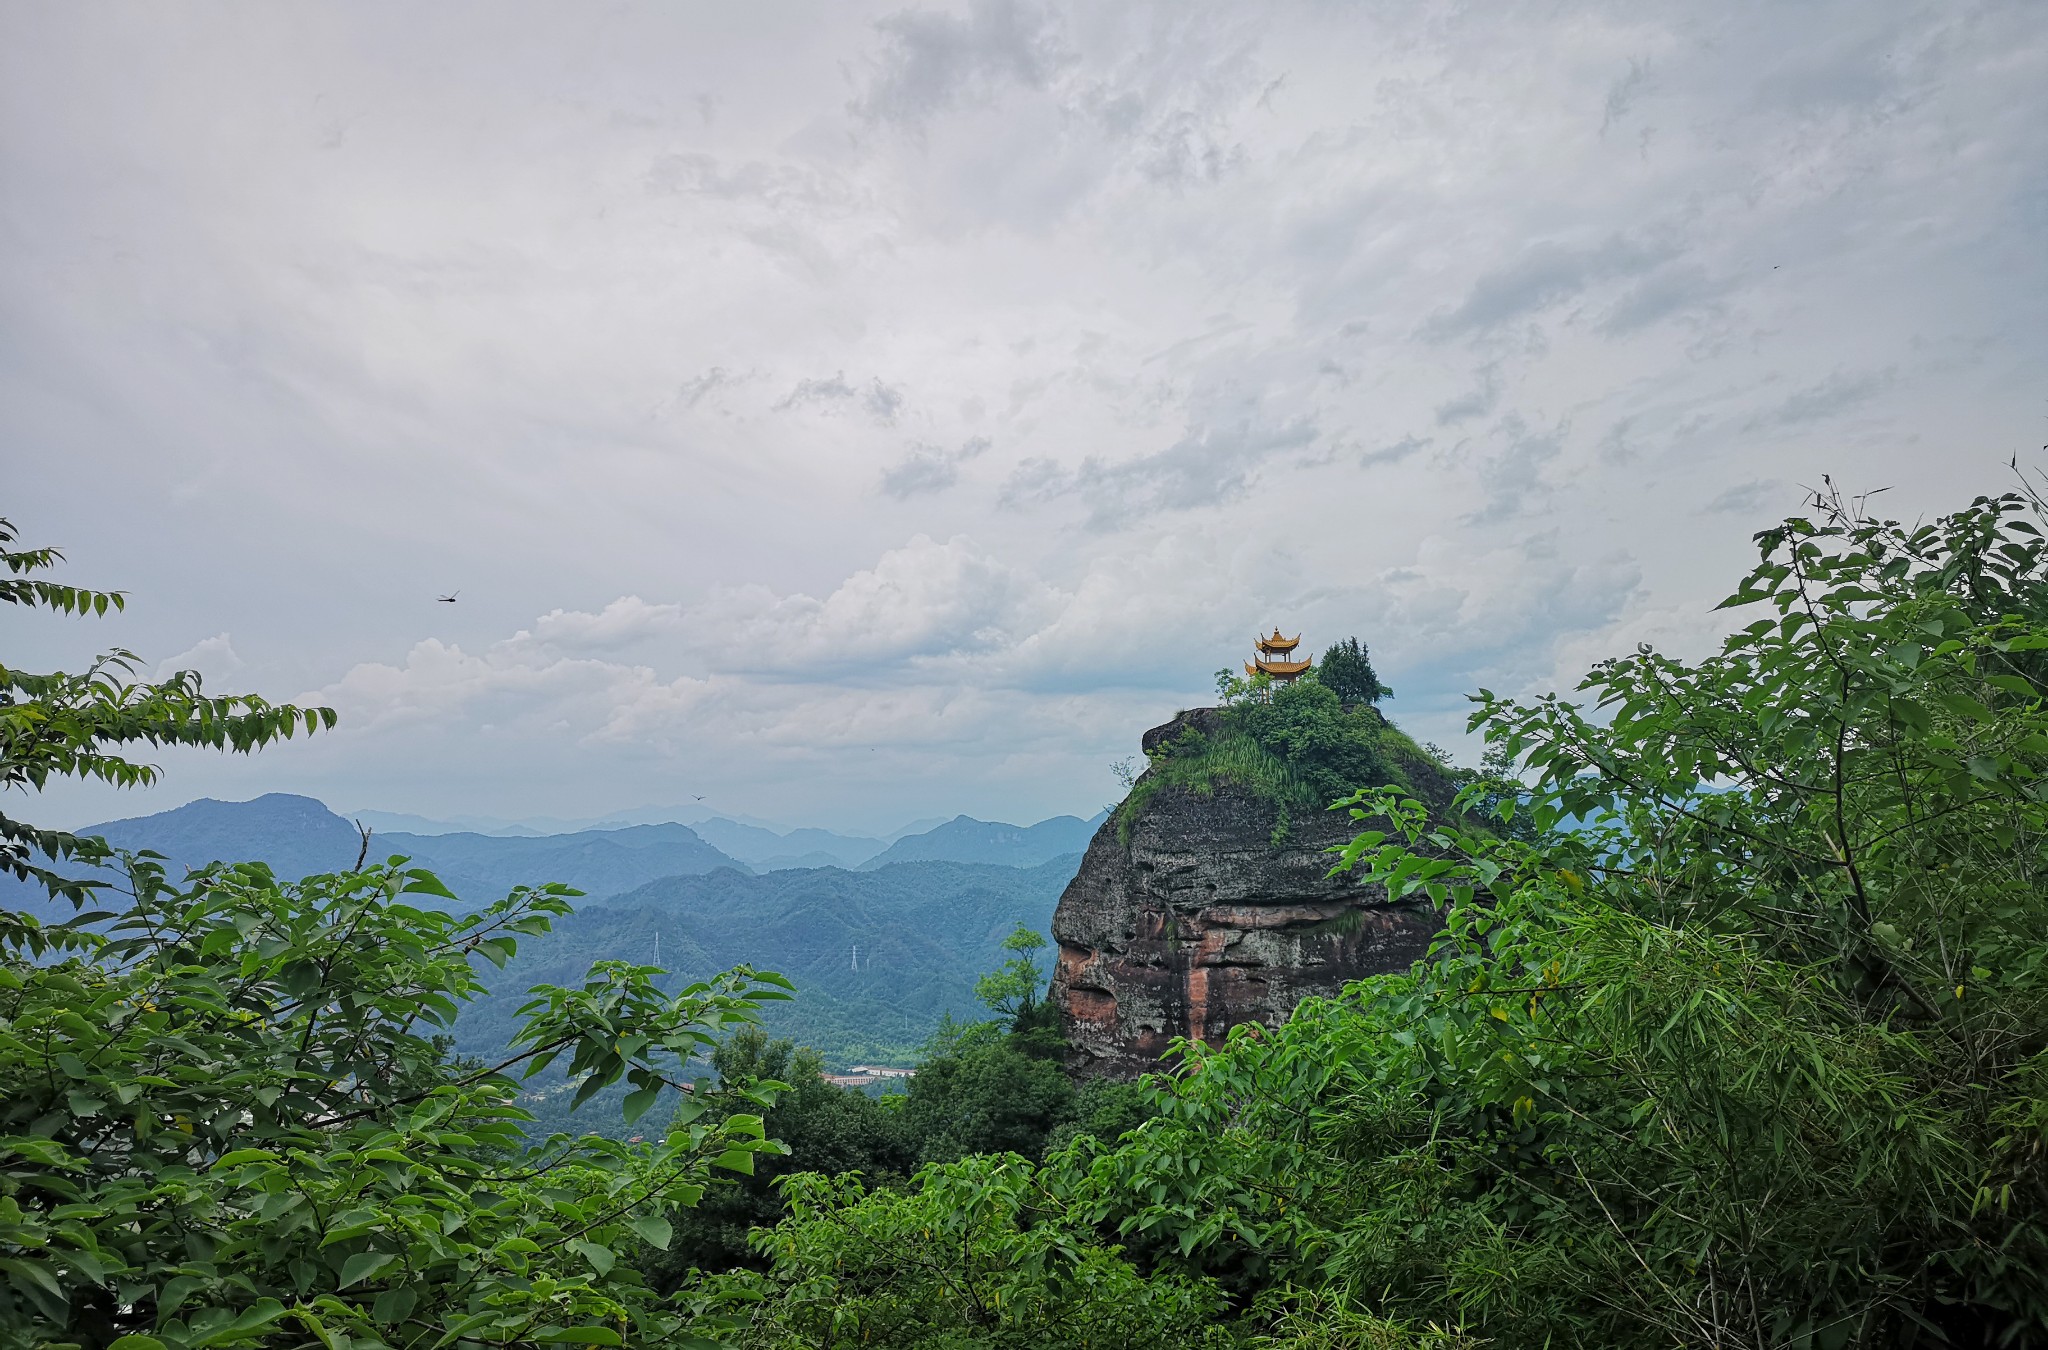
[{"x": 1346, "y": 671}]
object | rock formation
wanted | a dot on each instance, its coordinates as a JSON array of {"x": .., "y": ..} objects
[{"x": 1199, "y": 922}]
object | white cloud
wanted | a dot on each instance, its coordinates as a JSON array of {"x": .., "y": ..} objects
[
  {"x": 624, "y": 622},
  {"x": 214, "y": 658},
  {"x": 930, "y": 468},
  {"x": 1483, "y": 334},
  {"x": 931, "y": 60}
]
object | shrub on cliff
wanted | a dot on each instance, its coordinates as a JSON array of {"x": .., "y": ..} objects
[
  {"x": 1329, "y": 750},
  {"x": 1298, "y": 745}
]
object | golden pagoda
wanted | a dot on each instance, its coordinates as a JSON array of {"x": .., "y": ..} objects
[{"x": 1276, "y": 659}]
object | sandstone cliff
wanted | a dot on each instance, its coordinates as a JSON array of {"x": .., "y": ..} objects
[{"x": 1199, "y": 921}]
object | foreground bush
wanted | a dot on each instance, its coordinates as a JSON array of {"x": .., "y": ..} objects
[{"x": 224, "y": 1121}]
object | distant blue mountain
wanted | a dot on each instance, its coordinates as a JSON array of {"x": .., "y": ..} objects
[
  {"x": 482, "y": 867},
  {"x": 400, "y": 822},
  {"x": 298, "y": 836},
  {"x": 964, "y": 839},
  {"x": 775, "y": 850}
]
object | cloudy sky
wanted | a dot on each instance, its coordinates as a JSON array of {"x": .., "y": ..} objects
[{"x": 852, "y": 412}]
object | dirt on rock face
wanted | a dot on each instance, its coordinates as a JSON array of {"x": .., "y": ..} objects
[{"x": 1201, "y": 923}]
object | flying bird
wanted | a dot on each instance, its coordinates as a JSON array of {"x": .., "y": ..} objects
[
  {"x": 447, "y": 599},
  {"x": 699, "y": 797}
]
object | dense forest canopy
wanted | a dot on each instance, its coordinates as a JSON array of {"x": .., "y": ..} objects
[{"x": 1736, "y": 1034}]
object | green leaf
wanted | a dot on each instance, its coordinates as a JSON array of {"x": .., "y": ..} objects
[
  {"x": 394, "y": 1305},
  {"x": 419, "y": 881},
  {"x": 601, "y": 1258},
  {"x": 639, "y": 1103},
  {"x": 87, "y": 1264},
  {"x": 654, "y": 1230},
  {"x": 37, "y": 1273},
  {"x": 175, "y": 1291},
  {"x": 580, "y": 1336},
  {"x": 259, "y": 1315},
  {"x": 365, "y": 1265},
  {"x": 1965, "y": 706}
]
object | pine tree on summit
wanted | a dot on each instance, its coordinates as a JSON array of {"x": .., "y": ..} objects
[{"x": 1347, "y": 672}]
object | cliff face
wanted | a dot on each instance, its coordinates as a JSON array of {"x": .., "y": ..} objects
[{"x": 1200, "y": 923}]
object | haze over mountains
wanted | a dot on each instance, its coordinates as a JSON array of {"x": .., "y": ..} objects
[
  {"x": 764, "y": 844},
  {"x": 965, "y": 839},
  {"x": 298, "y": 836},
  {"x": 883, "y": 937}
]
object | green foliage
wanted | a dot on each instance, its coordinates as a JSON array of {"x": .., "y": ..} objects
[
  {"x": 987, "y": 1093},
  {"x": 1346, "y": 671},
  {"x": 1296, "y": 745},
  {"x": 66, "y": 725},
  {"x": 982, "y": 1087},
  {"x": 1754, "y": 1054},
  {"x": 1319, "y": 1321},
  {"x": 1103, "y": 1110},
  {"x": 822, "y": 1128},
  {"x": 1329, "y": 751},
  {"x": 227, "y": 1114},
  {"x": 1013, "y": 988},
  {"x": 995, "y": 1251},
  {"x": 976, "y": 1252}
]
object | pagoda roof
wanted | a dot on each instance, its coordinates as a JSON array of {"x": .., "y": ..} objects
[
  {"x": 1278, "y": 667},
  {"x": 1276, "y": 643}
]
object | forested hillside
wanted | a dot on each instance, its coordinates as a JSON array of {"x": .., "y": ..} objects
[{"x": 878, "y": 958}]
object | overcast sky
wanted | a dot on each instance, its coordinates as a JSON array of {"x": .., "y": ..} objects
[{"x": 852, "y": 412}]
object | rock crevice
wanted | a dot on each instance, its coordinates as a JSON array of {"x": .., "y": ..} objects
[{"x": 1198, "y": 922}]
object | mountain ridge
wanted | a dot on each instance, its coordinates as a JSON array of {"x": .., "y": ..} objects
[
  {"x": 965, "y": 839},
  {"x": 298, "y": 836}
]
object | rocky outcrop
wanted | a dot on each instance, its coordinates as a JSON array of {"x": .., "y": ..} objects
[{"x": 1200, "y": 922}]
